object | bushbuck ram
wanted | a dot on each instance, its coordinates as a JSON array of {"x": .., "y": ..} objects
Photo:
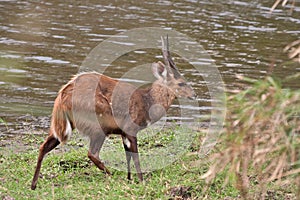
[{"x": 98, "y": 106}]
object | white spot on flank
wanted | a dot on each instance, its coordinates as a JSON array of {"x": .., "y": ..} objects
[
  {"x": 68, "y": 130},
  {"x": 148, "y": 122},
  {"x": 127, "y": 142},
  {"x": 54, "y": 133},
  {"x": 164, "y": 73}
]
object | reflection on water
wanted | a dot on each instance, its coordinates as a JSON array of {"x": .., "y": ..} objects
[{"x": 43, "y": 43}]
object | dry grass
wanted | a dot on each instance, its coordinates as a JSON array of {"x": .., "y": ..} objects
[
  {"x": 283, "y": 3},
  {"x": 293, "y": 49},
  {"x": 261, "y": 139}
]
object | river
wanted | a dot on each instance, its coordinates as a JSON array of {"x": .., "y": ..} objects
[{"x": 44, "y": 43}]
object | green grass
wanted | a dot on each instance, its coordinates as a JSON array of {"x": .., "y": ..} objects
[
  {"x": 70, "y": 175},
  {"x": 3, "y": 122},
  {"x": 67, "y": 173}
]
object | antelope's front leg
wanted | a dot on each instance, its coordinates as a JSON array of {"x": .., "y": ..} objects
[
  {"x": 130, "y": 145},
  {"x": 126, "y": 144}
]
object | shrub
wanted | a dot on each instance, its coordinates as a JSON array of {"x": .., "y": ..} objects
[{"x": 261, "y": 139}]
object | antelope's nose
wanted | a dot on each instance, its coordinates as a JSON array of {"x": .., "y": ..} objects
[{"x": 193, "y": 96}]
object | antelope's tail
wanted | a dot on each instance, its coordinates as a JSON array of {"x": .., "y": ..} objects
[{"x": 61, "y": 126}]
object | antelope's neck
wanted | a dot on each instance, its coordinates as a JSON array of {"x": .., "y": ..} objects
[{"x": 161, "y": 95}]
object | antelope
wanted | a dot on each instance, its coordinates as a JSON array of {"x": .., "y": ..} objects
[{"x": 97, "y": 106}]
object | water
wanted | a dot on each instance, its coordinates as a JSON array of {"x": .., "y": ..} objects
[{"x": 43, "y": 43}]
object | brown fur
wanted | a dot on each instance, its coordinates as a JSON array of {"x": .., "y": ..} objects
[
  {"x": 132, "y": 102},
  {"x": 98, "y": 105}
]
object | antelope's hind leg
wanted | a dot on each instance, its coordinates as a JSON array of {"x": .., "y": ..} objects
[
  {"x": 96, "y": 142},
  {"x": 50, "y": 143}
]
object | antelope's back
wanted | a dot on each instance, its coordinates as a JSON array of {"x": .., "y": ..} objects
[{"x": 86, "y": 100}]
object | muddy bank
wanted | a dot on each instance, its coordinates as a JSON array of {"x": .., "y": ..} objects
[
  {"x": 24, "y": 124},
  {"x": 25, "y": 133},
  {"x": 28, "y": 133}
]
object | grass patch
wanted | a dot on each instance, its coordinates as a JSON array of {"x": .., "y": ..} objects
[{"x": 70, "y": 175}]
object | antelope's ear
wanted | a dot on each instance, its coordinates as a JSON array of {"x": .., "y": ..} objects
[{"x": 159, "y": 70}]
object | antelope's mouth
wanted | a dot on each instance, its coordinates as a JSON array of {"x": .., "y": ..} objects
[{"x": 192, "y": 98}]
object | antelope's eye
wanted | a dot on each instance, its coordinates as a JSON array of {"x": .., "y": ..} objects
[{"x": 182, "y": 84}]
